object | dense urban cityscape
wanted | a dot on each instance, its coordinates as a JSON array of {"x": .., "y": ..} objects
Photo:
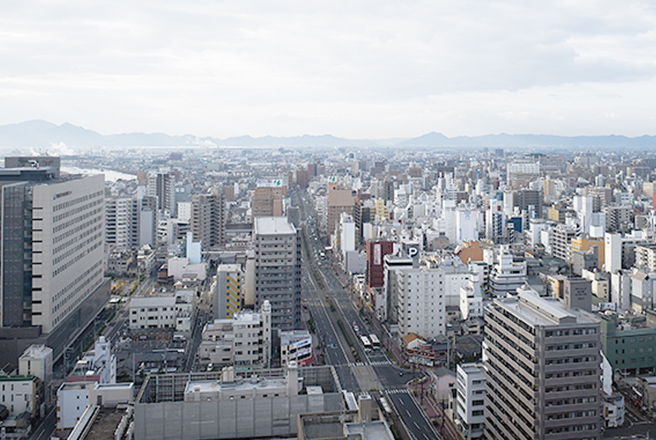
[{"x": 328, "y": 293}]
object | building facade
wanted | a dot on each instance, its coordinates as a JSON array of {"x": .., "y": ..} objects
[
  {"x": 278, "y": 270},
  {"x": 543, "y": 370}
]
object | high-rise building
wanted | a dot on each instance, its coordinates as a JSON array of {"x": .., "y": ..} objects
[
  {"x": 208, "y": 218},
  {"x": 339, "y": 201},
  {"x": 228, "y": 290},
  {"x": 543, "y": 370},
  {"x": 421, "y": 302},
  {"x": 51, "y": 265},
  {"x": 268, "y": 199},
  {"x": 162, "y": 186},
  {"x": 376, "y": 251},
  {"x": 121, "y": 223},
  {"x": 278, "y": 270}
]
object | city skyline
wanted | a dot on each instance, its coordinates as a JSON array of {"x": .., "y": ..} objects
[{"x": 365, "y": 70}]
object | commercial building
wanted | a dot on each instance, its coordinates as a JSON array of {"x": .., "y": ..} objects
[
  {"x": 278, "y": 270},
  {"x": 295, "y": 346},
  {"x": 629, "y": 346},
  {"x": 543, "y": 370},
  {"x": 339, "y": 201},
  {"x": 173, "y": 311},
  {"x": 233, "y": 406},
  {"x": 268, "y": 199},
  {"x": 243, "y": 341},
  {"x": 51, "y": 239},
  {"x": 376, "y": 251}
]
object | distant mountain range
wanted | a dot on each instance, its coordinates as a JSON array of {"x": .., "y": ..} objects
[{"x": 42, "y": 134}]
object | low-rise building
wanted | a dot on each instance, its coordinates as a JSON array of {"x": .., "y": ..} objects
[
  {"x": 36, "y": 360},
  {"x": 296, "y": 346},
  {"x": 173, "y": 311},
  {"x": 243, "y": 341},
  {"x": 20, "y": 394}
]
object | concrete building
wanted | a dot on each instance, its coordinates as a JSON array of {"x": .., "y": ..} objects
[
  {"x": 577, "y": 292},
  {"x": 645, "y": 256},
  {"x": 628, "y": 345},
  {"x": 268, "y": 199},
  {"x": 278, "y": 270},
  {"x": 507, "y": 275},
  {"x": 421, "y": 301},
  {"x": 72, "y": 401},
  {"x": 232, "y": 406},
  {"x": 20, "y": 394},
  {"x": 121, "y": 223},
  {"x": 561, "y": 242},
  {"x": 619, "y": 218},
  {"x": 543, "y": 369},
  {"x": 384, "y": 299},
  {"x": 376, "y": 252},
  {"x": 36, "y": 361},
  {"x": 173, "y": 311},
  {"x": 295, "y": 346},
  {"x": 339, "y": 201},
  {"x": 471, "y": 300},
  {"x": 208, "y": 218},
  {"x": 228, "y": 292},
  {"x": 470, "y": 402},
  {"x": 51, "y": 277},
  {"x": 244, "y": 341},
  {"x": 162, "y": 186}
]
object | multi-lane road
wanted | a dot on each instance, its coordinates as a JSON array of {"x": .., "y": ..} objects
[{"x": 336, "y": 319}]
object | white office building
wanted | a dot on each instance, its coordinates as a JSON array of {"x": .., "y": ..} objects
[{"x": 420, "y": 301}]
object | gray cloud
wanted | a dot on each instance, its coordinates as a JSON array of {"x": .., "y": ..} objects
[{"x": 186, "y": 64}]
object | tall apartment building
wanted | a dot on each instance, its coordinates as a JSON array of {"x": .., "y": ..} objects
[
  {"x": 529, "y": 200},
  {"x": 208, "y": 218},
  {"x": 162, "y": 186},
  {"x": 645, "y": 256},
  {"x": 130, "y": 222},
  {"x": 339, "y": 201},
  {"x": 121, "y": 223},
  {"x": 470, "y": 401},
  {"x": 51, "y": 261},
  {"x": 619, "y": 218},
  {"x": 278, "y": 270},
  {"x": 228, "y": 297},
  {"x": 420, "y": 301},
  {"x": 268, "y": 199},
  {"x": 543, "y": 370},
  {"x": 561, "y": 242}
]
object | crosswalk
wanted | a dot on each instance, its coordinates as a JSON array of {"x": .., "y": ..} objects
[
  {"x": 397, "y": 391},
  {"x": 364, "y": 364}
]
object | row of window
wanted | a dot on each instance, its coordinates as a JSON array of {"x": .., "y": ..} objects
[
  {"x": 80, "y": 199},
  {"x": 60, "y": 217}
]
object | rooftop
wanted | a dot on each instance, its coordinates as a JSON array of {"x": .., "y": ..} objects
[
  {"x": 535, "y": 310},
  {"x": 273, "y": 226}
]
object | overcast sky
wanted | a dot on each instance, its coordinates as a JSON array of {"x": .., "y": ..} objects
[{"x": 358, "y": 69}]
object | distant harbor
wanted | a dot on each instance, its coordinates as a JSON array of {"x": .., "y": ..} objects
[{"x": 110, "y": 175}]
